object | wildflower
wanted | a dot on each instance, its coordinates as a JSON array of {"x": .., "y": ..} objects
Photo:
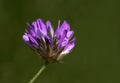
[{"x": 50, "y": 45}]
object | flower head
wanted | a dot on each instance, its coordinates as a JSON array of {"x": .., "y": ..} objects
[{"x": 50, "y": 45}]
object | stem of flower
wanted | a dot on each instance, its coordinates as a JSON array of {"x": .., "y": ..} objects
[{"x": 38, "y": 73}]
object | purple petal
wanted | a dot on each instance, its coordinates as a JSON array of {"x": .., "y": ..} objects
[
  {"x": 33, "y": 41},
  {"x": 41, "y": 27},
  {"x": 37, "y": 31},
  {"x": 57, "y": 33},
  {"x": 64, "y": 26},
  {"x": 26, "y": 40},
  {"x": 62, "y": 41},
  {"x": 49, "y": 28},
  {"x": 25, "y": 37},
  {"x": 65, "y": 41},
  {"x": 66, "y": 36},
  {"x": 31, "y": 30},
  {"x": 69, "y": 47},
  {"x": 69, "y": 34}
]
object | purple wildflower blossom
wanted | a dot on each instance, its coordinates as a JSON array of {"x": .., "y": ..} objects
[{"x": 52, "y": 46}]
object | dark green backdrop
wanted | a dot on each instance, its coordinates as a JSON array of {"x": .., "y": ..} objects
[{"x": 95, "y": 58}]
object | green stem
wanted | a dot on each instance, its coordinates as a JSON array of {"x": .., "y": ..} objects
[{"x": 38, "y": 73}]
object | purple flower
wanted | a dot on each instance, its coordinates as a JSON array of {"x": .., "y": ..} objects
[{"x": 50, "y": 45}]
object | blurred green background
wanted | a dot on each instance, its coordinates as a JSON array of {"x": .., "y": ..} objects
[{"x": 95, "y": 58}]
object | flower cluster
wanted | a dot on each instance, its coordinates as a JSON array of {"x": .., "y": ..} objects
[{"x": 50, "y": 45}]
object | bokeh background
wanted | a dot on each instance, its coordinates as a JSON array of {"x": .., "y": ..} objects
[{"x": 95, "y": 58}]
